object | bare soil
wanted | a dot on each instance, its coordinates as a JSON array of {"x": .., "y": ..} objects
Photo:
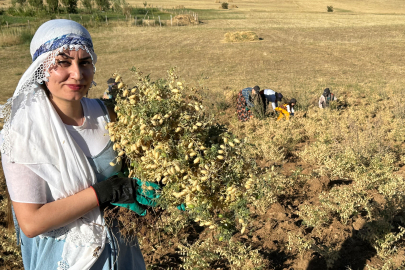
[{"x": 268, "y": 233}]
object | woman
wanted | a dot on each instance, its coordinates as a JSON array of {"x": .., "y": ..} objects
[
  {"x": 56, "y": 154},
  {"x": 273, "y": 98},
  {"x": 286, "y": 110},
  {"x": 290, "y": 106},
  {"x": 326, "y": 98},
  {"x": 245, "y": 102}
]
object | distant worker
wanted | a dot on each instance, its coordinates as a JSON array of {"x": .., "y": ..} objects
[
  {"x": 272, "y": 97},
  {"x": 245, "y": 102},
  {"x": 290, "y": 106},
  {"x": 282, "y": 110},
  {"x": 326, "y": 98},
  {"x": 107, "y": 94},
  {"x": 286, "y": 110}
]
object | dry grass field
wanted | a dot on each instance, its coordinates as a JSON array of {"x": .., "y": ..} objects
[{"x": 339, "y": 173}]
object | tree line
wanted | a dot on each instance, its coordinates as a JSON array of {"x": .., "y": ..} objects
[{"x": 71, "y": 6}]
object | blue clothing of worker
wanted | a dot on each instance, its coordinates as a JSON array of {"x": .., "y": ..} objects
[{"x": 246, "y": 93}]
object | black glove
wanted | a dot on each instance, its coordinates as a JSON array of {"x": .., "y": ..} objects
[{"x": 116, "y": 190}]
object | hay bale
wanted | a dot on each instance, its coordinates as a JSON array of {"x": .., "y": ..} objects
[
  {"x": 233, "y": 6},
  {"x": 241, "y": 36},
  {"x": 184, "y": 19}
]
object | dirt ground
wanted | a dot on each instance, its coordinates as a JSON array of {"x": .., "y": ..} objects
[{"x": 269, "y": 234}]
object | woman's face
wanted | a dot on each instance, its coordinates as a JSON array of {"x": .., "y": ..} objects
[{"x": 71, "y": 76}]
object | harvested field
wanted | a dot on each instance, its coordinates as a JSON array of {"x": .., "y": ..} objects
[{"x": 338, "y": 174}]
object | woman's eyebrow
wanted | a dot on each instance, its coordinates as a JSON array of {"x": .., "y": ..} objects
[{"x": 65, "y": 55}]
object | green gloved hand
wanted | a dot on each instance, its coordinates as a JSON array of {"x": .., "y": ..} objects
[
  {"x": 144, "y": 197},
  {"x": 182, "y": 207},
  {"x": 247, "y": 108}
]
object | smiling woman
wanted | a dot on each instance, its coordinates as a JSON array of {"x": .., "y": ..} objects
[
  {"x": 56, "y": 155},
  {"x": 70, "y": 79}
]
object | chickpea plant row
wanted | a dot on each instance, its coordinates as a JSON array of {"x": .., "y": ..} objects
[{"x": 165, "y": 135}]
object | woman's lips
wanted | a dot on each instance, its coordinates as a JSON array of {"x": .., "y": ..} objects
[{"x": 75, "y": 86}]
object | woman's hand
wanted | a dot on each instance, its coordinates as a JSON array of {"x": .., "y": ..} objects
[
  {"x": 116, "y": 189},
  {"x": 147, "y": 194}
]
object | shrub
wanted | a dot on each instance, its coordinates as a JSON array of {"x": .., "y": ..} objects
[
  {"x": 103, "y": 4},
  {"x": 53, "y": 5},
  {"x": 167, "y": 137},
  {"x": 23, "y": 11},
  {"x": 98, "y": 17},
  {"x": 21, "y": 2},
  {"x": 87, "y": 4},
  {"x": 201, "y": 255},
  {"x": 70, "y": 5},
  {"x": 224, "y": 5},
  {"x": 222, "y": 106},
  {"x": 26, "y": 37},
  {"x": 330, "y": 8},
  {"x": 116, "y": 5},
  {"x": 39, "y": 4},
  {"x": 258, "y": 108},
  {"x": 126, "y": 8},
  {"x": 138, "y": 11}
]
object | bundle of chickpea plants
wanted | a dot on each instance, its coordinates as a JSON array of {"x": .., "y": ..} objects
[{"x": 166, "y": 136}]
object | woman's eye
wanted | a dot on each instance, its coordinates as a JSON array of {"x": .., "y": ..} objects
[
  {"x": 85, "y": 63},
  {"x": 63, "y": 63}
]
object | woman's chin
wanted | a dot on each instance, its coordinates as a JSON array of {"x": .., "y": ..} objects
[{"x": 68, "y": 98}]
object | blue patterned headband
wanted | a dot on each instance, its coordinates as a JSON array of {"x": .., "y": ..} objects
[{"x": 69, "y": 39}]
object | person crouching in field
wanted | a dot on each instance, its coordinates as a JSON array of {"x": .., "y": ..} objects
[
  {"x": 286, "y": 110},
  {"x": 273, "y": 98},
  {"x": 107, "y": 94},
  {"x": 290, "y": 106},
  {"x": 326, "y": 98},
  {"x": 245, "y": 102}
]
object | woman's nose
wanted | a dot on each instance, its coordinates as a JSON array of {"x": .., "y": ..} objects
[{"x": 76, "y": 72}]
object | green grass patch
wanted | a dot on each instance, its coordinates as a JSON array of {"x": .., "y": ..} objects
[
  {"x": 218, "y": 14},
  {"x": 16, "y": 19}
]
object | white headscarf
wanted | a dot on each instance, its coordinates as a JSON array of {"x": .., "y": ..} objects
[{"x": 34, "y": 135}]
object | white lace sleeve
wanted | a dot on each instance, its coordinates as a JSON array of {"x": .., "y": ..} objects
[{"x": 23, "y": 184}]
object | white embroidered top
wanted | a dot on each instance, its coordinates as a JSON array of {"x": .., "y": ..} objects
[{"x": 27, "y": 187}]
